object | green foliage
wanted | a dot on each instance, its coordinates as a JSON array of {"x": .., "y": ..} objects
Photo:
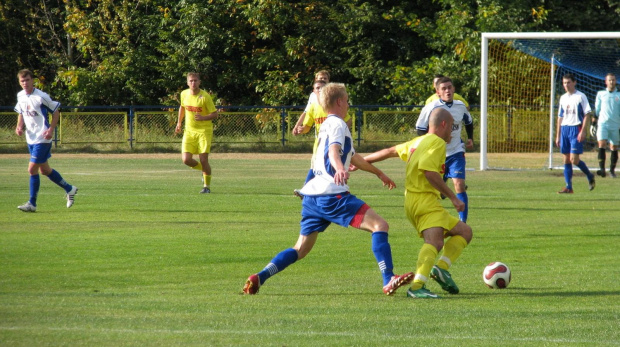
[{"x": 264, "y": 52}]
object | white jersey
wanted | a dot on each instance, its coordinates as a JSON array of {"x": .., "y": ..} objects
[
  {"x": 35, "y": 109},
  {"x": 461, "y": 116},
  {"x": 573, "y": 108},
  {"x": 311, "y": 100},
  {"x": 333, "y": 131}
]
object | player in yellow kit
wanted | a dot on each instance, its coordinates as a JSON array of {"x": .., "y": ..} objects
[
  {"x": 425, "y": 157},
  {"x": 198, "y": 110}
]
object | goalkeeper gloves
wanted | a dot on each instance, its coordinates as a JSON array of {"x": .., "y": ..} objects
[{"x": 593, "y": 128}]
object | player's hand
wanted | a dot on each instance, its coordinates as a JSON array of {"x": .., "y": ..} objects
[
  {"x": 198, "y": 117},
  {"x": 341, "y": 177},
  {"x": 47, "y": 134},
  {"x": 297, "y": 130},
  {"x": 458, "y": 204},
  {"x": 352, "y": 168},
  {"x": 593, "y": 129},
  {"x": 177, "y": 129},
  {"x": 470, "y": 144},
  {"x": 387, "y": 182},
  {"x": 19, "y": 131}
]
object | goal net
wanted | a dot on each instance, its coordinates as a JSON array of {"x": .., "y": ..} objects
[{"x": 521, "y": 83}]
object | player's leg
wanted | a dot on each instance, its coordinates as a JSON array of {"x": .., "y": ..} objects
[
  {"x": 367, "y": 219},
  {"x": 613, "y": 160},
  {"x": 565, "y": 149},
  {"x": 602, "y": 145},
  {"x": 189, "y": 147},
  {"x": 206, "y": 172},
  {"x": 204, "y": 148},
  {"x": 614, "y": 139},
  {"x": 34, "y": 184},
  {"x": 55, "y": 177},
  {"x": 460, "y": 237},
  {"x": 433, "y": 243},
  {"x": 576, "y": 151},
  {"x": 281, "y": 261}
]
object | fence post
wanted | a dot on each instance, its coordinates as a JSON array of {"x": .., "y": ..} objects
[
  {"x": 131, "y": 115},
  {"x": 283, "y": 115},
  {"x": 359, "y": 114}
]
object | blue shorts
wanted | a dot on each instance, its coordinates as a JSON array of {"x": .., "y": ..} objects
[
  {"x": 40, "y": 152},
  {"x": 455, "y": 166},
  {"x": 318, "y": 212},
  {"x": 568, "y": 139}
]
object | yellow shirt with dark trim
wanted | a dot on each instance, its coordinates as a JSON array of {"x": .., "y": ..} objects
[
  {"x": 200, "y": 103},
  {"x": 455, "y": 97},
  {"x": 316, "y": 116},
  {"x": 423, "y": 153}
]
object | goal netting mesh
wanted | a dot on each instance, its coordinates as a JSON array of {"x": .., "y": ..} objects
[{"x": 523, "y": 85}]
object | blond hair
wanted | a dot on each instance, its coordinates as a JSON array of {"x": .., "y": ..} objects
[{"x": 330, "y": 93}]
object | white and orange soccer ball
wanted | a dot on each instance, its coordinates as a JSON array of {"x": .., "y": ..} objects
[{"x": 496, "y": 275}]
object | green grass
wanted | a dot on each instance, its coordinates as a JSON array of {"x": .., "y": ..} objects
[{"x": 143, "y": 259}]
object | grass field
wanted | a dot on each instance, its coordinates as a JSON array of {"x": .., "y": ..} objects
[{"x": 143, "y": 259}]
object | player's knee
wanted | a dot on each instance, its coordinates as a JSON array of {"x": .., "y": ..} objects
[
  {"x": 465, "y": 231},
  {"x": 189, "y": 162}
]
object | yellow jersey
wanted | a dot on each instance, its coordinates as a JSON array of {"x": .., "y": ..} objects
[
  {"x": 423, "y": 153},
  {"x": 200, "y": 103},
  {"x": 454, "y": 97}
]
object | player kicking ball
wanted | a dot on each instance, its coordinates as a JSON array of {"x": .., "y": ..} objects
[
  {"x": 425, "y": 157},
  {"x": 327, "y": 199}
]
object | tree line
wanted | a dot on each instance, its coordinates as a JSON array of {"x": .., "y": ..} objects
[{"x": 265, "y": 52}]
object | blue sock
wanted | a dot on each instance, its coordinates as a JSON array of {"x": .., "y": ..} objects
[
  {"x": 383, "y": 253},
  {"x": 278, "y": 263},
  {"x": 585, "y": 169},
  {"x": 463, "y": 197},
  {"x": 568, "y": 175},
  {"x": 310, "y": 175},
  {"x": 56, "y": 178},
  {"x": 35, "y": 183}
]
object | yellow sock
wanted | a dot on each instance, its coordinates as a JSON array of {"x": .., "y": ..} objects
[
  {"x": 197, "y": 167},
  {"x": 452, "y": 249},
  {"x": 426, "y": 260},
  {"x": 206, "y": 179}
]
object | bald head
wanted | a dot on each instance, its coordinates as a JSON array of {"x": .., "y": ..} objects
[{"x": 440, "y": 123}]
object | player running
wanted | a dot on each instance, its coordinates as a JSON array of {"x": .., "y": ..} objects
[{"x": 327, "y": 199}]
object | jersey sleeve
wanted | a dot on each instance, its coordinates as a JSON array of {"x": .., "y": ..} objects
[
  {"x": 422, "y": 123},
  {"x": 585, "y": 104},
  {"x": 208, "y": 104},
  {"x": 597, "y": 104},
  {"x": 403, "y": 150},
  {"x": 47, "y": 101}
]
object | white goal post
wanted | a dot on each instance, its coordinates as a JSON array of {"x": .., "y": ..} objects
[{"x": 484, "y": 79}]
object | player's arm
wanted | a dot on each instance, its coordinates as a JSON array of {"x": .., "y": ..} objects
[
  {"x": 362, "y": 164},
  {"x": 469, "y": 129},
  {"x": 179, "y": 127},
  {"x": 341, "y": 175},
  {"x": 381, "y": 155},
  {"x": 582, "y": 132},
  {"x": 47, "y": 134},
  {"x": 19, "y": 129},
  {"x": 299, "y": 124},
  {"x": 435, "y": 179},
  {"x": 557, "y": 131}
]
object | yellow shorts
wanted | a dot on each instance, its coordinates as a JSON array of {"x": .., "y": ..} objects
[
  {"x": 424, "y": 211},
  {"x": 196, "y": 142}
]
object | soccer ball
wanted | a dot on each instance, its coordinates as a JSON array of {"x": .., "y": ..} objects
[{"x": 496, "y": 275}]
